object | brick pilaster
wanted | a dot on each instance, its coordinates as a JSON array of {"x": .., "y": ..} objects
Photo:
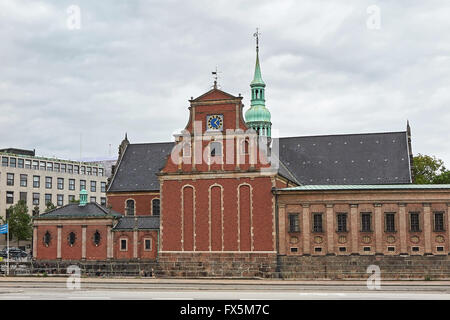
[
  {"x": 282, "y": 229},
  {"x": 402, "y": 227},
  {"x": 378, "y": 229},
  {"x": 427, "y": 227},
  {"x": 330, "y": 229},
  {"x": 354, "y": 227},
  {"x": 306, "y": 229}
]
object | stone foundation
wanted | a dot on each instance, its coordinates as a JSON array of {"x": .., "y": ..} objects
[{"x": 199, "y": 265}]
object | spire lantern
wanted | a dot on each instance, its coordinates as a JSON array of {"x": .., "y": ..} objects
[{"x": 258, "y": 116}]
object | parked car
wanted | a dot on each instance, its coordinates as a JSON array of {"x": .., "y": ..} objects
[{"x": 13, "y": 253}]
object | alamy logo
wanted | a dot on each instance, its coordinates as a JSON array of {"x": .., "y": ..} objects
[
  {"x": 374, "y": 280},
  {"x": 74, "y": 280}
]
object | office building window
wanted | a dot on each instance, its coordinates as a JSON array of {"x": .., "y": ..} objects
[
  {"x": 48, "y": 182},
  {"x": 89, "y": 170},
  {"x": 94, "y": 171},
  {"x": 5, "y": 161},
  {"x": 82, "y": 185},
  {"x": 35, "y": 165},
  {"x": 23, "y": 180},
  {"x": 71, "y": 198},
  {"x": 100, "y": 172},
  {"x": 294, "y": 223},
  {"x": 155, "y": 207},
  {"x": 36, "y": 199},
  {"x": 103, "y": 186},
  {"x": 10, "y": 179},
  {"x": 366, "y": 222},
  {"x": 103, "y": 201},
  {"x": 60, "y": 183},
  {"x": 42, "y": 165},
  {"x": 49, "y": 166},
  {"x": 9, "y": 197},
  {"x": 414, "y": 221},
  {"x": 56, "y": 167},
  {"x": 83, "y": 170},
  {"x": 93, "y": 199},
  {"x": 36, "y": 181},
  {"x": 341, "y": 222},
  {"x": 93, "y": 186},
  {"x": 12, "y": 162},
  {"x": 48, "y": 199},
  {"x": 23, "y": 196},
  {"x": 20, "y": 163},
  {"x": 70, "y": 168},
  {"x": 390, "y": 222},
  {"x": 438, "y": 221},
  {"x": 71, "y": 184},
  {"x": 317, "y": 222},
  {"x": 60, "y": 200},
  {"x": 63, "y": 167},
  {"x": 27, "y": 164},
  {"x": 76, "y": 169}
]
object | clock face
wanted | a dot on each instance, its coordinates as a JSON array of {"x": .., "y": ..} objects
[{"x": 214, "y": 122}]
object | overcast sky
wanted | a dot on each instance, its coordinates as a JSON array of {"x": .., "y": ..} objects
[{"x": 329, "y": 68}]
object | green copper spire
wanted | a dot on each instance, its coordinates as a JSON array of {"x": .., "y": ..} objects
[
  {"x": 258, "y": 116},
  {"x": 83, "y": 197}
]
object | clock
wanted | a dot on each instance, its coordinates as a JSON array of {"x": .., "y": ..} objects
[{"x": 214, "y": 122}]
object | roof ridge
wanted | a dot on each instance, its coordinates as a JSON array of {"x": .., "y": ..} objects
[{"x": 343, "y": 134}]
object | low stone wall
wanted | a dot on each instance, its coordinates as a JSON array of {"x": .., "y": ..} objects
[{"x": 200, "y": 265}]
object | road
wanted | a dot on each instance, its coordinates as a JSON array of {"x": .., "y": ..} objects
[{"x": 170, "y": 289}]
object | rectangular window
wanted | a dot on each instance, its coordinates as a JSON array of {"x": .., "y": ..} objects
[
  {"x": 93, "y": 186},
  {"x": 317, "y": 222},
  {"x": 341, "y": 222},
  {"x": 342, "y": 249},
  {"x": 48, "y": 198},
  {"x": 20, "y": 163},
  {"x": 63, "y": 167},
  {"x": 82, "y": 185},
  {"x": 42, "y": 165},
  {"x": 49, "y": 166},
  {"x": 103, "y": 186},
  {"x": 391, "y": 249},
  {"x": 83, "y": 170},
  {"x": 71, "y": 184},
  {"x": 35, "y": 165},
  {"x": 36, "y": 181},
  {"x": 366, "y": 222},
  {"x": 60, "y": 200},
  {"x": 216, "y": 149},
  {"x": 12, "y": 162},
  {"x": 366, "y": 249},
  {"x": 27, "y": 164},
  {"x": 415, "y": 249},
  {"x": 23, "y": 196},
  {"x": 89, "y": 170},
  {"x": 93, "y": 199},
  {"x": 440, "y": 249},
  {"x": 317, "y": 249},
  {"x": 100, "y": 172},
  {"x": 36, "y": 199},
  {"x": 76, "y": 169},
  {"x": 60, "y": 183},
  {"x": 71, "y": 198},
  {"x": 293, "y": 223},
  {"x": 147, "y": 244},
  {"x": 103, "y": 201},
  {"x": 23, "y": 180},
  {"x": 48, "y": 182},
  {"x": 123, "y": 245},
  {"x": 294, "y": 250},
  {"x": 5, "y": 161},
  {"x": 389, "y": 222},
  {"x": 9, "y": 197},
  {"x": 10, "y": 179},
  {"x": 414, "y": 221},
  {"x": 56, "y": 167},
  {"x": 94, "y": 171},
  {"x": 69, "y": 168},
  {"x": 438, "y": 221}
]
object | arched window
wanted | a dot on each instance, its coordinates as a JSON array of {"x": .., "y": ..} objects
[
  {"x": 96, "y": 238},
  {"x": 71, "y": 239},
  {"x": 155, "y": 207},
  {"x": 129, "y": 209},
  {"x": 215, "y": 149},
  {"x": 47, "y": 239},
  {"x": 244, "y": 146}
]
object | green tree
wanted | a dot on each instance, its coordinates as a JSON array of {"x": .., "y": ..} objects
[
  {"x": 49, "y": 206},
  {"x": 443, "y": 178},
  {"x": 19, "y": 222},
  {"x": 426, "y": 169}
]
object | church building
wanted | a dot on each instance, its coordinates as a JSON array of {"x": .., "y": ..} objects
[{"x": 226, "y": 191}]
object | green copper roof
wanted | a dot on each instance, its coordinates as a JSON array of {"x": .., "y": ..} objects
[
  {"x": 257, "y": 114},
  {"x": 257, "y": 78},
  {"x": 368, "y": 187}
]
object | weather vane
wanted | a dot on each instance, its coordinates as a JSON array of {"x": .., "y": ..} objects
[
  {"x": 216, "y": 77},
  {"x": 256, "y": 35}
]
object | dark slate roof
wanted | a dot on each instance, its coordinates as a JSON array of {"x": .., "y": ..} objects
[
  {"x": 141, "y": 222},
  {"x": 74, "y": 210},
  {"x": 373, "y": 158},
  {"x": 139, "y": 165}
]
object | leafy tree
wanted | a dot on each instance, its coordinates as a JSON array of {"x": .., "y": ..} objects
[
  {"x": 19, "y": 221},
  {"x": 74, "y": 201},
  {"x": 426, "y": 169},
  {"x": 443, "y": 178},
  {"x": 36, "y": 211},
  {"x": 49, "y": 206}
]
